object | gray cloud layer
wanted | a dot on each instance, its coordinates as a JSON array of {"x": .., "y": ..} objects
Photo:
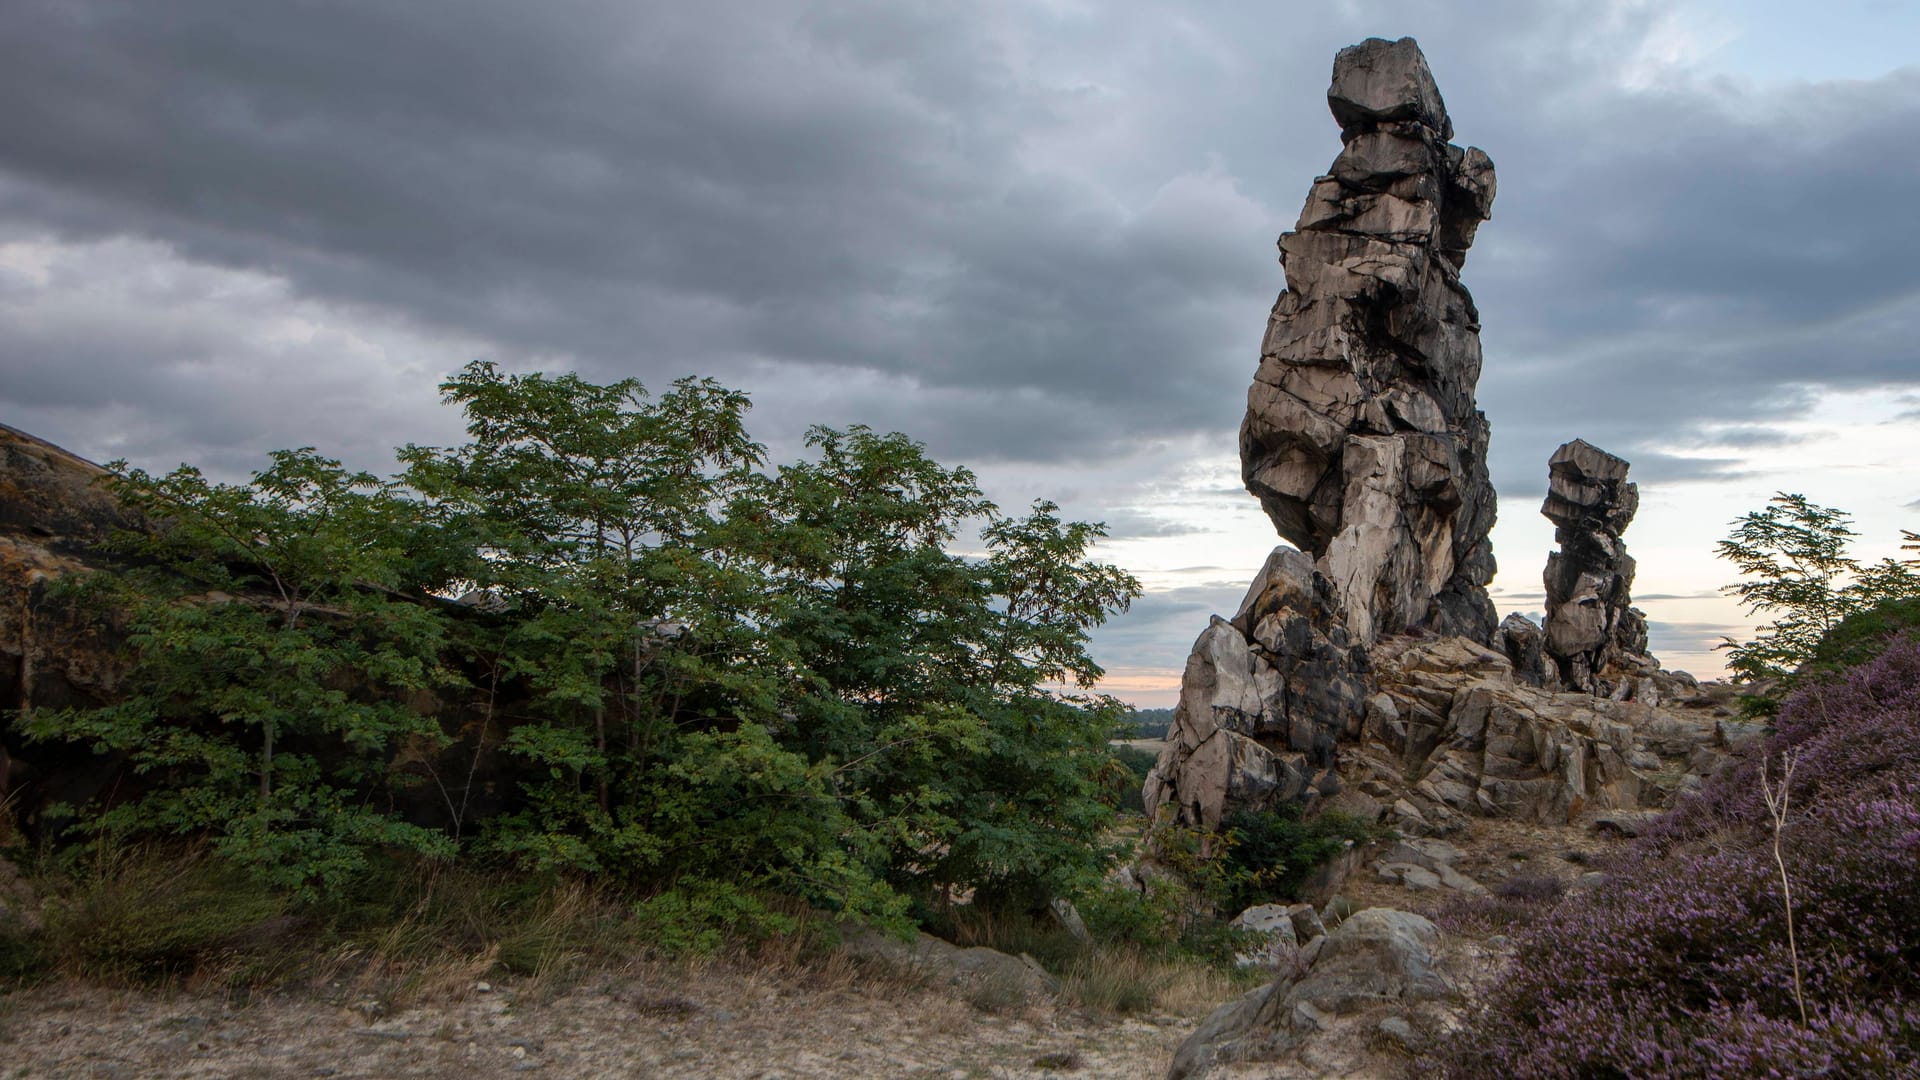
[{"x": 1039, "y": 235}]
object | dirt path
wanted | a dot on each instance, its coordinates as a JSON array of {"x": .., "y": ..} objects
[{"x": 708, "y": 1024}]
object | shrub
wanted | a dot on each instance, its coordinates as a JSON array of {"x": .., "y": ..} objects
[
  {"x": 1680, "y": 964},
  {"x": 1268, "y": 856},
  {"x": 693, "y": 677},
  {"x": 1510, "y": 905},
  {"x": 1136, "y": 763}
]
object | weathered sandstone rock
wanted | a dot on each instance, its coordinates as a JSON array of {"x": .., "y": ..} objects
[
  {"x": 1361, "y": 436},
  {"x": 1594, "y": 637},
  {"x": 1376, "y": 964},
  {"x": 1264, "y": 697},
  {"x": 1452, "y": 734}
]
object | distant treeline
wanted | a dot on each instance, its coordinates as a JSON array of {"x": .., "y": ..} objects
[{"x": 1150, "y": 723}]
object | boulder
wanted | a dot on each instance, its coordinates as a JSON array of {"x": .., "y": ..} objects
[
  {"x": 1361, "y": 437},
  {"x": 1377, "y": 963},
  {"x": 1524, "y": 644},
  {"x": 1280, "y": 942},
  {"x": 974, "y": 969}
]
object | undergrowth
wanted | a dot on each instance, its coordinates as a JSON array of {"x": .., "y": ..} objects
[
  {"x": 1684, "y": 964},
  {"x": 413, "y": 930}
]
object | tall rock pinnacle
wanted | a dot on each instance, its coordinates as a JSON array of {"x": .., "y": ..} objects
[
  {"x": 1592, "y": 631},
  {"x": 1361, "y": 437},
  {"x": 1362, "y": 441}
]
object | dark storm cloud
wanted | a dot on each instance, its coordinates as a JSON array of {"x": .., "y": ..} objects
[{"x": 1055, "y": 225}]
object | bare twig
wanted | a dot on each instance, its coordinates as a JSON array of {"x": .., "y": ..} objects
[{"x": 1777, "y": 804}]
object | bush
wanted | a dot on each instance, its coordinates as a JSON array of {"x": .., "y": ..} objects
[
  {"x": 1680, "y": 965},
  {"x": 1860, "y": 637},
  {"x": 1136, "y": 763},
  {"x": 685, "y": 675},
  {"x": 1511, "y": 905},
  {"x": 1267, "y": 857}
]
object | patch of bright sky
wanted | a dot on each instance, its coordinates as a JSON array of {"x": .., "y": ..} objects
[
  {"x": 1779, "y": 40},
  {"x": 1852, "y": 450}
]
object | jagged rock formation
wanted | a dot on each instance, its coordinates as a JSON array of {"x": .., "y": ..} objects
[
  {"x": 1526, "y": 646},
  {"x": 1361, "y": 438},
  {"x": 1363, "y": 444},
  {"x": 1593, "y": 634},
  {"x": 1263, "y": 699},
  {"x": 1452, "y": 734}
]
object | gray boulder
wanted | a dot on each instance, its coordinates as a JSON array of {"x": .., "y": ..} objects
[{"x": 1376, "y": 963}]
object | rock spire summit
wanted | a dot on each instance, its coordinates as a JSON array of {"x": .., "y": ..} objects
[{"x": 1361, "y": 437}]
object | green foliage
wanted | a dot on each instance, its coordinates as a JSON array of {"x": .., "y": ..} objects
[
  {"x": 277, "y": 649},
  {"x": 1266, "y": 857},
  {"x": 711, "y": 683},
  {"x": 1860, "y": 637},
  {"x": 1136, "y": 763},
  {"x": 699, "y": 915},
  {"x": 1149, "y": 723},
  {"x": 1149, "y": 918},
  {"x": 1258, "y": 857},
  {"x": 1795, "y": 557}
]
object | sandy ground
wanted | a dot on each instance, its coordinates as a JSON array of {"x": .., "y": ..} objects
[{"x": 707, "y": 1024}]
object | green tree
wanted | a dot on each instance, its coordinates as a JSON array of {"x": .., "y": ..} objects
[
  {"x": 1796, "y": 558},
  {"x": 948, "y": 691},
  {"x": 850, "y": 680},
  {"x": 279, "y": 636}
]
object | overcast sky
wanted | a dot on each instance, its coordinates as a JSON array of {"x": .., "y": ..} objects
[{"x": 1037, "y": 236}]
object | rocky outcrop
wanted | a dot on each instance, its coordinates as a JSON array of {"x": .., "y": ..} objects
[
  {"x": 1452, "y": 734},
  {"x": 53, "y": 517},
  {"x": 1526, "y": 646},
  {"x": 1380, "y": 965},
  {"x": 1361, "y": 436},
  {"x": 1594, "y": 636},
  {"x": 1263, "y": 700},
  {"x": 1362, "y": 442}
]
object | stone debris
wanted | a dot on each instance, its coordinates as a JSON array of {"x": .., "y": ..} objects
[{"x": 1378, "y": 964}]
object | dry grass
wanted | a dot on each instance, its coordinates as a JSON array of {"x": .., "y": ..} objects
[{"x": 1125, "y": 981}]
